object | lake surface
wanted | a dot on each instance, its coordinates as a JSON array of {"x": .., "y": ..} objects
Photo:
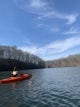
[{"x": 54, "y": 87}]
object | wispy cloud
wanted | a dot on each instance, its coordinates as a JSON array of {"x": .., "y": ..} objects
[
  {"x": 32, "y": 6},
  {"x": 43, "y": 9},
  {"x": 30, "y": 49},
  {"x": 38, "y": 4},
  {"x": 61, "y": 46},
  {"x": 53, "y": 48},
  {"x": 71, "y": 18},
  {"x": 73, "y": 30},
  {"x": 52, "y": 13},
  {"x": 27, "y": 45}
]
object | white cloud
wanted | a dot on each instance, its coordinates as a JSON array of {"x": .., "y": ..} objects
[
  {"x": 61, "y": 46},
  {"x": 32, "y": 6},
  {"x": 71, "y": 18},
  {"x": 43, "y": 9},
  {"x": 72, "y": 30},
  {"x": 38, "y": 4},
  {"x": 30, "y": 49},
  {"x": 47, "y": 14},
  {"x": 53, "y": 48}
]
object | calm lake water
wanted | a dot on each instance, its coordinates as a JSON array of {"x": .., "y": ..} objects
[{"x": 55, "y": 87}]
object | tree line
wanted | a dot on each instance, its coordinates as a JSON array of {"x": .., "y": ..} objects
[
  {"x": 70, "y": 61},
  {"x": 10, "y": 56}
]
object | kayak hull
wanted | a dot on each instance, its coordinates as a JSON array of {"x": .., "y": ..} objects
[{"x": 15, "y": 79}]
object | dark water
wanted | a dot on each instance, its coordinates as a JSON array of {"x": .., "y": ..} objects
[{"x": 55, "y": 87}]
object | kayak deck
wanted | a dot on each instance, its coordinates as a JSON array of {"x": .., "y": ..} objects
[{"x": 15, "y": 79}]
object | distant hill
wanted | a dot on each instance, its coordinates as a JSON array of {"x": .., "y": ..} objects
[
  {"x": 11, "y": 56},
  {"x": 70, "y": 61}
]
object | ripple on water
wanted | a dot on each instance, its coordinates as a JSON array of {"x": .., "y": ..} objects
[{"x": 47, "y": 88}]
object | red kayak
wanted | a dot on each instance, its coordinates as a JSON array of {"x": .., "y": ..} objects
[{"x": 15, "y": 79}]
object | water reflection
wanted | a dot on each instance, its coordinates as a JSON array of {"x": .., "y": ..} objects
[
  {"x": 14, "y": 85},
  {"x": 46, "y": 88},
  {"x": 30, "y": 83}
]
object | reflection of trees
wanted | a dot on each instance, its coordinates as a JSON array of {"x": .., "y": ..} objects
[{"x": 12, "y": 53}]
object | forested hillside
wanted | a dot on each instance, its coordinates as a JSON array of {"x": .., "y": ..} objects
[
  {"x": 72, "y": 60},
  {"x": 11, "y": 56}
]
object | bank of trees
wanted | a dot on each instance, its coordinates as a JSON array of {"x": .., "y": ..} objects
[
  {"x": 11, "y": 56},
  {"x": 70, "y": 61}
]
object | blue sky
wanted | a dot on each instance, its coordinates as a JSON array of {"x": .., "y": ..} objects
[{"x": 49, "y": 29}]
